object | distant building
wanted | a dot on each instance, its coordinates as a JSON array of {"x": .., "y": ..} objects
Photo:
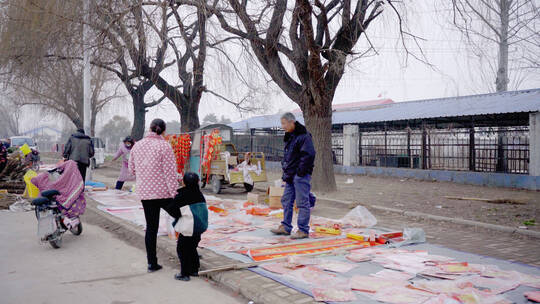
[
  {"x": 487, "y": 133},
  {"x": 52, "y": 134}
]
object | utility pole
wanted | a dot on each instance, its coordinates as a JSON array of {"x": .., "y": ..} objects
[{"x": 86, "y": 79}]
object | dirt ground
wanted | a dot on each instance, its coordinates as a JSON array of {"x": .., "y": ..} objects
[
  {"x": 429, "y": 197},
  {"x": 7, "y": 199}
]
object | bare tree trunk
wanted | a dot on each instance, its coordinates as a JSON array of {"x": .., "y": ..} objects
[
  {"x": 139, "y": 116},
  {"x": 318, "y": 119},
  {"x": 502, "y": 68},
  {"x": 78, "y": 122},
  {"x": 187, "y": 106},
  {"x": 189, "y": 116},
  {"x": 93, "y": 123}
]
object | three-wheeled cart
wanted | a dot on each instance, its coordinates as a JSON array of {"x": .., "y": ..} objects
[{"x": 223, "y": 169}]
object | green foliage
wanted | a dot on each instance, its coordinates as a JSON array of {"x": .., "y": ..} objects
[{"x": 530, "y": 223}]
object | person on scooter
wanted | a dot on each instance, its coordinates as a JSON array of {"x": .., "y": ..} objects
[{"x": 153, "y": 164}]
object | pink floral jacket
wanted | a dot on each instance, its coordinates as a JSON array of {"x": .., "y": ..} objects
[{"x": 153, "y": 164}]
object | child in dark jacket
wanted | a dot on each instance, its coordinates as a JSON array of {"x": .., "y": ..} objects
[{"x": 192, "y": 223}]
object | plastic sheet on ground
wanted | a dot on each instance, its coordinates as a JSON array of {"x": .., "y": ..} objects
[
  {"x": 490, "y": 285},
  {"x": 405, "y": 264},
  {"x": 336, "y": 266},
  {"x": 232, "y": 232},
  {"x": 333, "y": 294},
  {"x": 402, "y": 295},
  {"x": 533, "y": 295},
  {"x": 474, "y": 296},
  {"x": 278, "y": 267},
  {"x": 21, "y": 205},
  {"x": 115, "y": 198},
  {"x": 371, "y": 284},
  {"x": 442, "y": 299},
  {"x": 393, "y": 274},
  {"x": 127, "y": 206},
  {"x": 363, "y": 274},
  {"x": 313, "y": 276}
]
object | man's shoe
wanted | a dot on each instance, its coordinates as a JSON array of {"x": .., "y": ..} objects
[
  {"x": 280, "y": 230},
  {"x": 180, "y": 277},
  {"x": 299, "y": 235},
  {"x": 154, "y": 267}
]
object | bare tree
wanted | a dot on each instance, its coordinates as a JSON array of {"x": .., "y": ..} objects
[
  {"x": 10, "y": 113},
  {"x": 36, "y": 34},
  {"x": 503, "y": 24},
  {"x": 190, "y": 43},
  {"x": 59, "y": 89},
  {"x": 304, "y": 49},
  {"x": 124, "y": 44}
]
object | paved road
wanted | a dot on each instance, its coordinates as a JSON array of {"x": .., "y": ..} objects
[{"x": 92, "y": 268}]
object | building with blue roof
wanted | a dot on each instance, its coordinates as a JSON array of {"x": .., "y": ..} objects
[{"x": 490, "y": 133}]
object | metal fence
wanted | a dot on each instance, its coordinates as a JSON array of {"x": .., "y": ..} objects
[
  {"x": 390, "y": 149},
  {"x": 270, "y": 142},
  {"x": 476, "y": 149},
  {"x": 337, "y": 148}
]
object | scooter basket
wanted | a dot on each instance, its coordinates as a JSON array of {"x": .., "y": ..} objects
[{"x": 46, "y": 224}]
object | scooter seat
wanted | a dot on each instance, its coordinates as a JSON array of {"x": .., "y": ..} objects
[
  {"x": 50, "y": 194},
  {"x": 40, "y": 201}
]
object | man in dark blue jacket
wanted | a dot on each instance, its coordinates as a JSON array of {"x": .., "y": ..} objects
[{"x": 297, "y": 166}]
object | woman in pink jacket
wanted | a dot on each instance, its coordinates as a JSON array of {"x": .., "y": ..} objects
[
  {"x": 123, "y": 151},
  {"x": 153, "y": 164}
]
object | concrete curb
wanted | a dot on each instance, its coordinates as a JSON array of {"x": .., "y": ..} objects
[
  {"x": 534, "y": 234},
  {"x": 250, "y": 285}
]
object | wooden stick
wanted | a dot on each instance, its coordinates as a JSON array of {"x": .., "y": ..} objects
[{"x": 487, "y": 200}]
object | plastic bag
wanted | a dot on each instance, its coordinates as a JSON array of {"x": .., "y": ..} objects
[
  {"x": 21, "y": 206},
  {"x": 411, "y": 236},
  {"x": 359, "y": 217}
]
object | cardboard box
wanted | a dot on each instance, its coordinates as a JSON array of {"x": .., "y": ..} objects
[
  {"x": 256, "y": 198},
  {"x": 275, "y": 191},
  {"x": 274, "y": 197},
  {"x": 274, "y": 202}
]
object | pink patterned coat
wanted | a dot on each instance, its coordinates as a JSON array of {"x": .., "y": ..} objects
[
  {"x": 70, "y": 185},
  {"x": 153, "y": 164},
  {"x": 124, "y": 152}
]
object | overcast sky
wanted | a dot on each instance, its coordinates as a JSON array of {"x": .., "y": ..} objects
[{"x": 390, "y": 74}]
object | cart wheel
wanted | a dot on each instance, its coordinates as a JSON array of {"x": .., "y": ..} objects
[
  {"x": 248, "y": 187},
  {"x": 216, "y": 184}
]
